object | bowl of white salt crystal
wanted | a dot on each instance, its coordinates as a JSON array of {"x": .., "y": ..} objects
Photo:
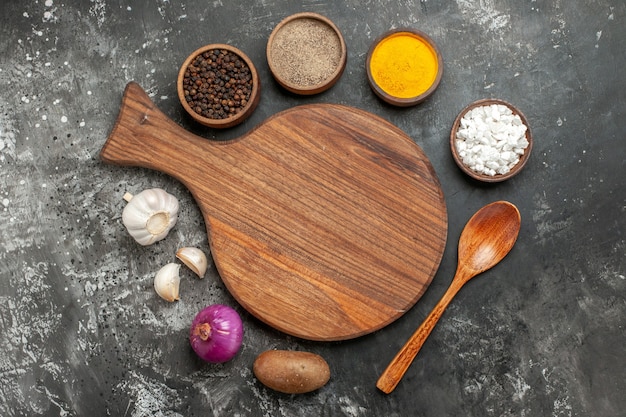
[{"x": 491, "y": 140}]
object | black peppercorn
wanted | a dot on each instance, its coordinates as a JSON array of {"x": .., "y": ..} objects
[{"x": 217, "y": 84}]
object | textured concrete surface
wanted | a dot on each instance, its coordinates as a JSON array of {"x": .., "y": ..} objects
[{"x": 81, "y": 330}]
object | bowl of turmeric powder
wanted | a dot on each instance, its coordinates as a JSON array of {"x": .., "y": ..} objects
[{"x": 404, "y": 67}]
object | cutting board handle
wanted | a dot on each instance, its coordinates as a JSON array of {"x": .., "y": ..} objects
[{"x": 145, "y": 137}]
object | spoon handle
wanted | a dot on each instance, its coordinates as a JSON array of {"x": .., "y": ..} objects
[{"x": 398, "y": 366}]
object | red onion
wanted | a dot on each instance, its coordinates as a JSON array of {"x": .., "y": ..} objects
[{"x": 216, "y": 333}]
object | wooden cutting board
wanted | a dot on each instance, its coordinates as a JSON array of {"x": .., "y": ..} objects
[{"x": 325, "y": 222}]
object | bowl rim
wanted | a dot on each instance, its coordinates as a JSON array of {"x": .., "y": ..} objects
[
  {"x": 229, "y": 121},
  {"x": 328, "y": 82},
  {"x": 389, "y": 98},
  {"x": 483, "y": 177}
]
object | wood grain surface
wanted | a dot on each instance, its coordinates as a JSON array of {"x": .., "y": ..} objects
[{"x": 325, "y": 222}]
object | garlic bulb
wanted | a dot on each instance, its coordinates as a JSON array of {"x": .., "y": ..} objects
[
  {"x": 150, "y": 215},
  {"x": 167, "y": 282},
  {"x": 194, "y": 258}
]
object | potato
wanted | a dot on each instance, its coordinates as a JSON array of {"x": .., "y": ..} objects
[{"x": 291, "y": 372}]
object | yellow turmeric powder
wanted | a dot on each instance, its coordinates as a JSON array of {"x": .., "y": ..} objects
[{"x": 404, "y": 65}]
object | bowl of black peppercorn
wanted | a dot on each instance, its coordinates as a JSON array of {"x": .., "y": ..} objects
[{"x": 218, "y": 86}]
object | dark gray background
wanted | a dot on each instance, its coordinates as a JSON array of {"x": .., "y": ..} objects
[{"x": 81, "y": 329}]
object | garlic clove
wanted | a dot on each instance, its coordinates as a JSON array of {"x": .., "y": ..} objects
[
  {"x": 150, "y": 215},
  {"x": 167, "y": 282},
  {"x": 194, "y": 258}
]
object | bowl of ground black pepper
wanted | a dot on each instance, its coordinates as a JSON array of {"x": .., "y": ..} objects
[
  {"x": 218, "y": 86},
  {"x": 306, "y": 53}
]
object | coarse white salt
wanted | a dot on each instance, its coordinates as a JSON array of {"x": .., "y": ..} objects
[{"x": 491, "y": 139}]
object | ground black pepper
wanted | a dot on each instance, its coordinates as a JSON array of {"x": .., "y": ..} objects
[
  {"x": 305, "y": 52},
  {"x": 217, "y": 84}
]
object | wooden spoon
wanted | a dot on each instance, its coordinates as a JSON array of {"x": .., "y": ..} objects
[{"x": 486, "y": 239}]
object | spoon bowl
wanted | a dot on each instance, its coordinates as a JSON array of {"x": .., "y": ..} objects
[
  {"x": 487, "y": 237},
  {"x": 485, "y": 240}
]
